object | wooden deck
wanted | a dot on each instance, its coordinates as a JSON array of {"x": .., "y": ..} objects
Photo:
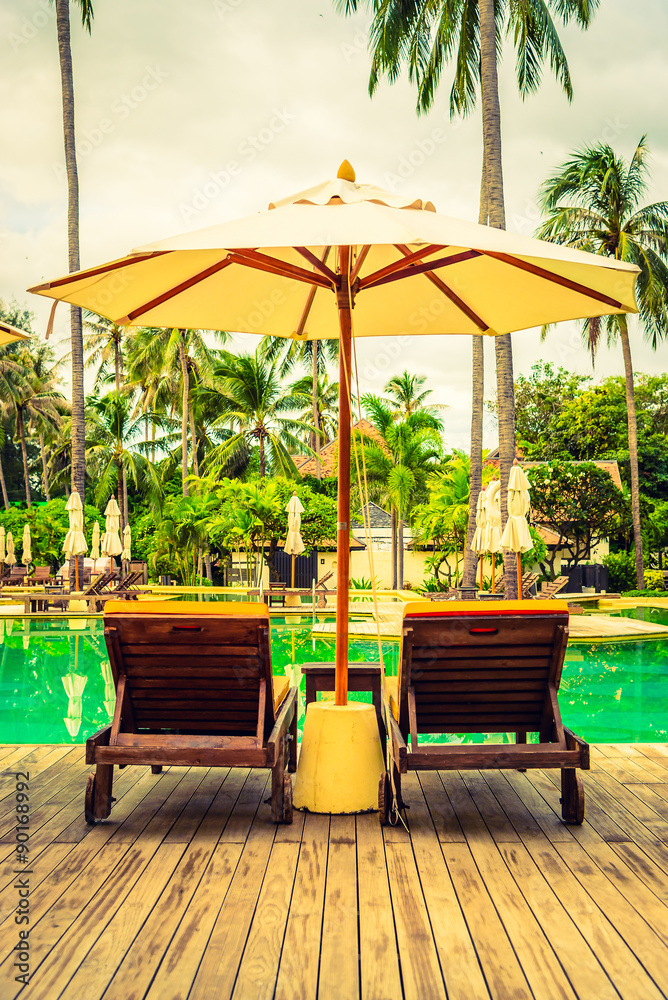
[{"x": 190, "y": 892}]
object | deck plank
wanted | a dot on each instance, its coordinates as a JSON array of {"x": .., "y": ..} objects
[{"x": 189, "y": 891}]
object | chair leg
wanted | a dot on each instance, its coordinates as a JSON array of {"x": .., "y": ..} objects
[
  {"x": 281, "y": 795},
  {"x": 292, "y": 746},
  {"x": 572, "y": 796},
  {"x": 521, "y": 737},
  {"x": 98, "y": 793},
  {"x": 156, "y": 768}
]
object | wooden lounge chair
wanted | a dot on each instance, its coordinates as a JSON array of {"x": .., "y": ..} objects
[
  {"x": 14, "y": 577},
  {"x": 473, "y": 667},
  {"x": 528, "y": 581},
  {"x": 40, "y": 576},
  {"x": 194, "y": 687},
  {"x": 549, "y": 590}
]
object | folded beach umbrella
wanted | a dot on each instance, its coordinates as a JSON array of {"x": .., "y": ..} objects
[
  {"x": 127, "y": 543},
  {"x": 516, "y": 536},
  {"x": 10, "y": 558},
  {"x": 479, "y": 540},
  {"x": 492, "y": 540},
  {"x": 26, "y": 554},
  {"x": 111, "y": 540},
  {"x": 3, "y": 552},
  {"x": 341, "y": 251},
  {"x": 294, "y": 544},
  {"x": 95, "y": 542}
]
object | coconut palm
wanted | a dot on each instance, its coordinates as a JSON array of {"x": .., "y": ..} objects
[
  {"x": 38, "y": 405},
  {"x": 407, "y": 394},
  {"x": 13, "y": 383},
  {"x": 593, "y": 202},
  {"x": 425, "y": 35},
  {"x": 254, "y": 407},
  {"x": 67, "y": 89},
  {"x": 326, "y": 398},
  {"x": 110, "y": 454},
  {"x": 399, "y": 459},
  {"x": 103, "y": 342}
]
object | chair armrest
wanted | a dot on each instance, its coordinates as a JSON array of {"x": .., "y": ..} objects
[
  {"x": 282, "y": 724},
  {"x": 399, "y": 749},
  {"x": 574, "y": 742},
  {"x": 98, "y": 739}
]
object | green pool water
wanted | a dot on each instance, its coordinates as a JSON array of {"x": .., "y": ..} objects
[{"x": 55, "y": 683}]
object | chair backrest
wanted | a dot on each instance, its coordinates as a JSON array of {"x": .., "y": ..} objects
[
  {"x": 480, "y": 668},
  {"x": 18, "y": 572},
  {"x": 42, "y": 573},
  {"x": 193, "y": 668}
]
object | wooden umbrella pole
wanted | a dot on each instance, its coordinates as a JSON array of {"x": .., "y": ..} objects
[
  {"x": 343, "y": 509},
  {"x": 481, "y": 572},
  {"x": 519, "y": 576},
  {"x": 293, "y": 573}
]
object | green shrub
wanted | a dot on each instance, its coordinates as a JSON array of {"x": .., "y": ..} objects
[
  {"x": 654, "y": 579},
  {"x": 621, "y": 569},
  {"x": 643, "y": 593}
]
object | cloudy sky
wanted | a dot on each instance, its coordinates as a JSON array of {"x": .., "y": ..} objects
[{"x": 168, "y": 94}]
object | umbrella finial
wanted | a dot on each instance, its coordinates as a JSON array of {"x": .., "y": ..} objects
[{"x": 346, "y": 172}]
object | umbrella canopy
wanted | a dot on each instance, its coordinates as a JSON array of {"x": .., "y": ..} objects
[
  {"x": 298, "y": 269},
  {"x": 516, "y": 536},
  {"x": 493, "y": 517},
  {"x": 3, "y": 553},
  {"x": 95, "y": 542},
  {"x": 75, "y": 540},
  {"x": 26, "y": 554},
  {"x": 10, "y": 558},
  {"x": 111, "y": 540},
  {"x": 478, "y": 542},
  {"x": 294, "y": 545},
  {"x": 127, "y": 543},
  {"x": 8, "y": 333}
]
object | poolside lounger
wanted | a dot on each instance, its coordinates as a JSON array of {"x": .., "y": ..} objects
[
  {"x": 552, "y": 589},
  {"x": 528, "y": 580},
  {"x": 473, "y": 667},
  {"x": 40, "y": 575},
  {"x": 194, "y": 687}
]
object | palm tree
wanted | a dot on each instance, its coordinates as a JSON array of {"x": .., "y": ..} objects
[
  {"x": 13, "y": 382},
  {"x": 444, "y": 518},
  {"x": 593, "y": 203},
  {"x": 399, "y": 459},
  {"x": 67, "y": 89},
  {"x": 407, "y": 394},
  {"x": 38, "y": 405},
  {"x": 103, "y": 341},
  {"x": 254, "y": 406},
  {"x": 325, "y": 417},
  {"x": 111, "y": 458},
  {"x": 425, "y": 35}
]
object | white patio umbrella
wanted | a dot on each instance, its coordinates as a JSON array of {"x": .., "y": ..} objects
[
  {"x": 315, "y": 255},
  {"x": 11, "y": 555},
  {"x": 3, "y": 553},
  {"x": 127, "y": 543},
  {"x": 75, "y": 541},
  {"x": 480, "y": 534},
  {"x": 516, "y": 536},
  {"x": 294, "y": 544},
  {"x": 26, "y": 554},
  {"x": 111, "y": 540},
  {"x": 493, "y": 524}
]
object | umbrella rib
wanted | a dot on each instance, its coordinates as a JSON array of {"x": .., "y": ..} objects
[
  {"x": 540, "y": 272},
  {"x": 361, "y": 257},
  {"x": 318, "y": 264},
  {"x": 429, "y": 265},
  {"x": 299, "y": 332},
  {"x": 171, "y": 292},
  {"x": 454, "y": 298},
  {"x": 260, "y": 261},
  {"x": 399, "y": 265},
  {"x": 94, "y": 271}
]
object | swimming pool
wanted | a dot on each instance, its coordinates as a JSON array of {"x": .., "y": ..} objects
[{"x": 56, "y": 686}]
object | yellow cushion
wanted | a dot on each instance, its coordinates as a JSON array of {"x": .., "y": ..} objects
[
  {"x": 194, "y": 609},
  {"x": 392, "y": 692},
  {"x": 281, "y": 686},
  {"x": 456, "y": 609}
]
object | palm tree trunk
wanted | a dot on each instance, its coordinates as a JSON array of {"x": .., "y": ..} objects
[
  {"x": 316, "y": 418},
  {"x": 5, "y": 498},
  {"x": 185, "y": 408},
  {"x": 117, "y": 363},
  {"x": 478, "y": 392},
  {"x": 400, "y": 553},
  {"x": 633, "y": 450},
  {"x": 124, "y": 487},
  {"x": 22, "y": 437},
  {"x": 45, "y": 476},
  {"x": 193, "y": 439},
  {"x": 262, "y": 460},
  {"x": 394, "y": 548},
  {"x": 491, "y": 121},
  {"x": 67, "y": 88}
]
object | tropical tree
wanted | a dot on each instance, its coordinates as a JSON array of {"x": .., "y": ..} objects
[
  {"x": 325, "y": 416},
  {"x": 110, "y": 457},
  {"x": 13, "y": 382},
  {"x": 67, "y": 89},
  {"x": 425, "y": 35},
  {"x": 38, "y": 405},
  {"x": 399, "y": 458},
  {"x": 103, "y": 343},
  {"x": 254, "y": 406},
  {"x": 593, "y": 202},
  {"x": 407, "y": 394},
  {"x": 443, "y": 520}
]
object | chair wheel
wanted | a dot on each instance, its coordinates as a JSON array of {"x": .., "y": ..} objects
[
  {"x": 89, "y": 800},
  {"x": 287, "y": 799},
  {"x": 384, "y": 798}
]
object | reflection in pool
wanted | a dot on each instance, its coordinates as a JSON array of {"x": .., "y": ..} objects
[{"x": 55, "y": 681}]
